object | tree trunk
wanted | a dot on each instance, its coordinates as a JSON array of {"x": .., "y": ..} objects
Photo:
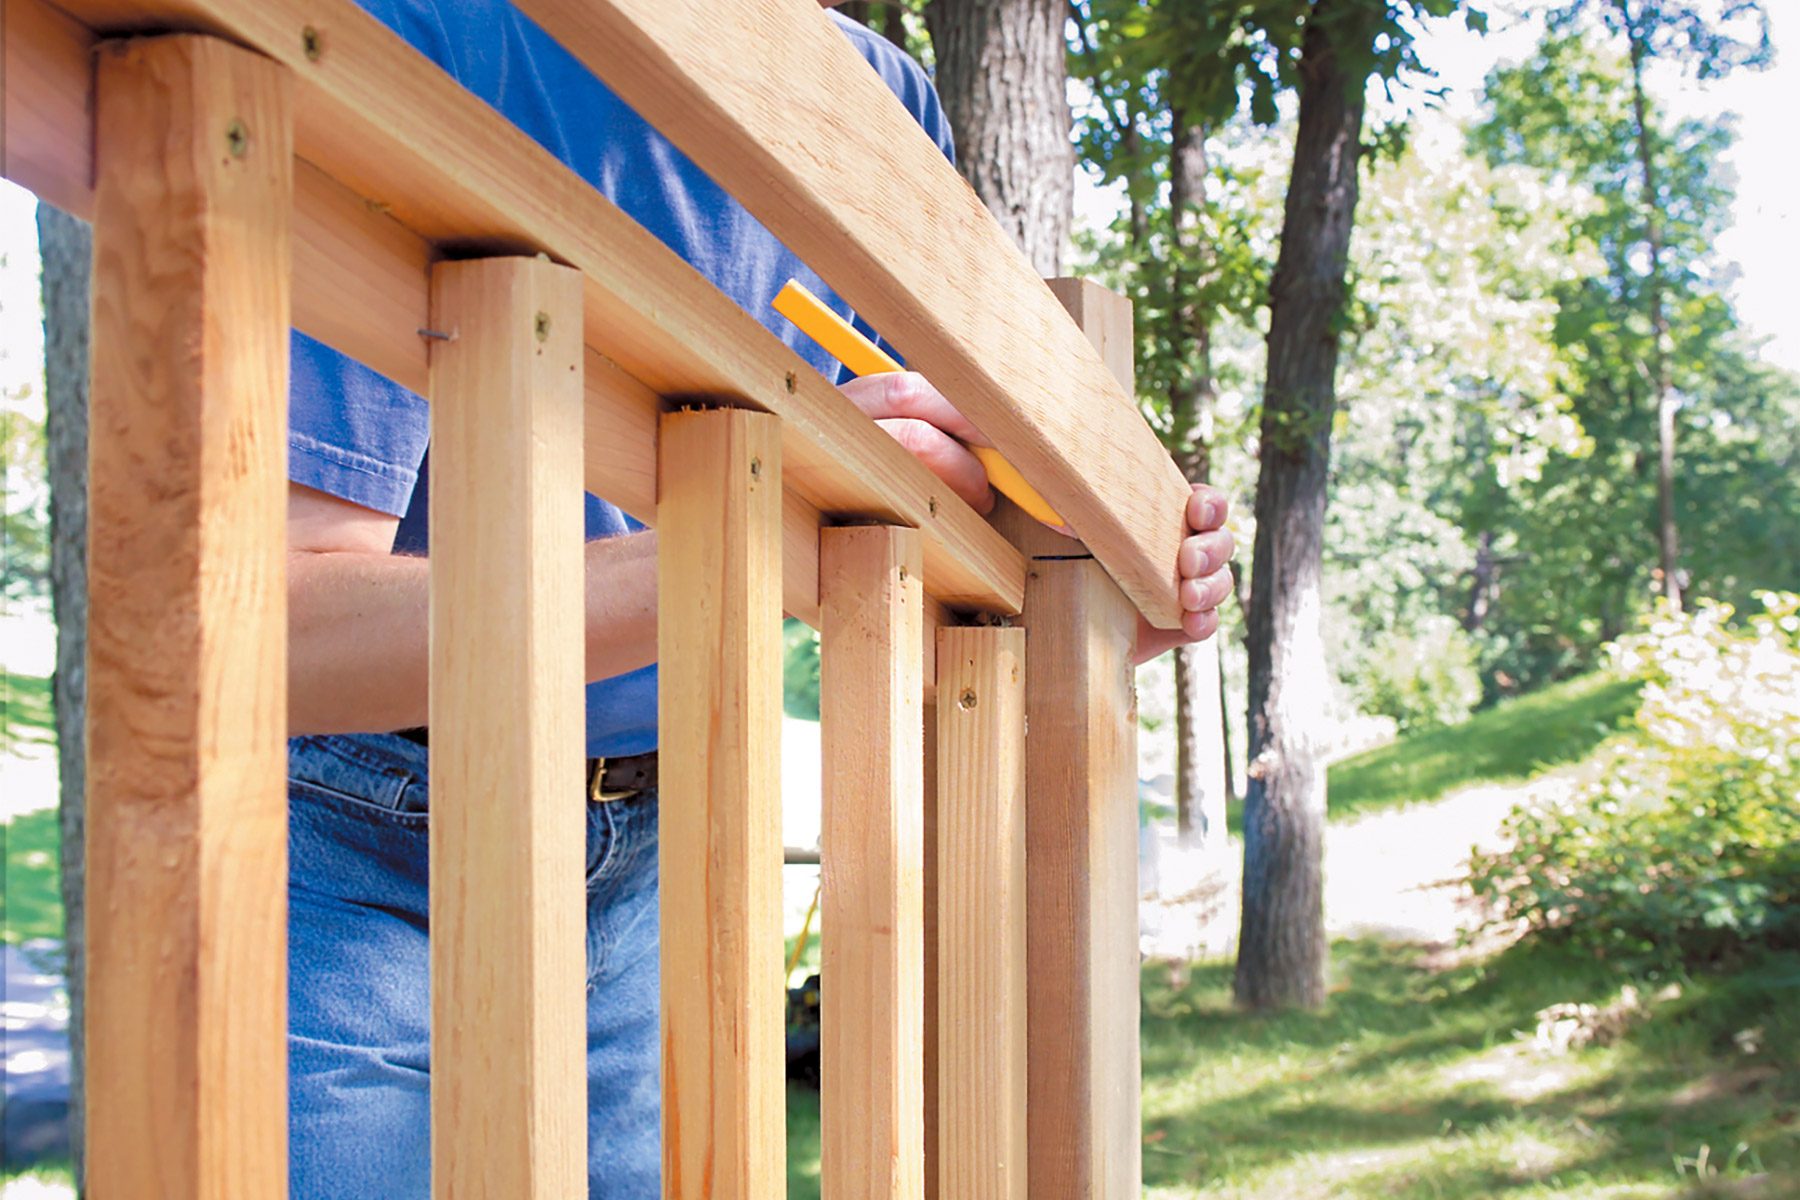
[
  {"x": 1668, "y": 544},
  {"x": 893, "y": 23},
  {"x": 1481, "y": 590},
  {"x": 1281, "y": 946},
  {"x": 1199, "y": 714},
  {"x": 67, "y": 248},
  {"x": 1001, "y": 70}
]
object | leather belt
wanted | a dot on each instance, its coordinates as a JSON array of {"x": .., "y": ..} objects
[{"x": 608, "y": 779}]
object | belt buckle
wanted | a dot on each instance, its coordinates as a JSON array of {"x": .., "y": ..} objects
[{"x": 597, "y": 791}]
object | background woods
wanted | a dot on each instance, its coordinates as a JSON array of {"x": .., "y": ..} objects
[{"x": 1453, "y": 298}]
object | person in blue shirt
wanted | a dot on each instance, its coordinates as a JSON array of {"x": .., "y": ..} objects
[{"x": 358, "y": 1001}]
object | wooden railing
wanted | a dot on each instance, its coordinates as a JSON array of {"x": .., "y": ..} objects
[{"x": 251, "y": 164}]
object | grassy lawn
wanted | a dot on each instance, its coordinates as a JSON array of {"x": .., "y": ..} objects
[
  {"x": 28, "y": 843},
  {"x": 33, "y": 894},
  {"x": 1515, "y": 739},
  {"x": 25, "y": 710},
  {"x": 1411, "y": 1085}
]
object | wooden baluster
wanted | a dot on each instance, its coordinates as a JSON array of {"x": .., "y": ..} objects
[
  {"x": 719, "y": 638},
  {"x": 187, "y": 666},
  {"x": 1081, "y": 840},
  {"x": 508, "y": 826},
  {"x": 871, "y": 937},
  {"x": 980, "y": 856},
  {"x": 928, "y": 801}
]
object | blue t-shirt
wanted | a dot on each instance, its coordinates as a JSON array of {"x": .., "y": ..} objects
[{"x": 358, "y": 435}]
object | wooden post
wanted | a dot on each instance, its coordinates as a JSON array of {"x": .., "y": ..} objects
[
  {"x": 187, "y": 667},
  {"x": 871, "y": 845},
  {"x": 1081, "y": 841},
  {"x": 508, "y": 826},
  {"x": 719, "y": 642},
  {"x": 981, "y": 914}
]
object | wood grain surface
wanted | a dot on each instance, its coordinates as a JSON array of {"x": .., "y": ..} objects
[
  {"x": 187, "y": 633},
  {"x": 508, "y": 826},
  {"x": 871, "y": 849},
  {"x": 981, "y": 913},
  {"x": 719, "y": 638}
]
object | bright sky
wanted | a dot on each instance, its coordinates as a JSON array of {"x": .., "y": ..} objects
[{"x": 1764, "y": 239}]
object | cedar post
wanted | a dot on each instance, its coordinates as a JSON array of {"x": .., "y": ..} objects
[
  {"x": 719, "y": 645},
  {"x": 508, "y": 830},
  {"x": 1081, "y": 838},
  {"x": 872, "y": 1021},
  {"x": 187, "y": 666}
]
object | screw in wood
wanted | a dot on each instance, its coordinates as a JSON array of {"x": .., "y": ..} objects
[
  {"x": 793, "y": 383},
  {"x": 756, "y": 468},
  {"x": 967, "y": 699},
  {"x": 312, "y": 44},
  {"x": 932, "y": 505},
  {"x": 237, "y": 139},
  {"x": 541, "y": 325}
]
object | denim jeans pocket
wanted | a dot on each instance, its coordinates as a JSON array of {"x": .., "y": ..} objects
[{"x": 361, "y": 776}]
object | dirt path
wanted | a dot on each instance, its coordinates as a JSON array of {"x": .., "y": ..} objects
[{"x": 1393, "y": 874}]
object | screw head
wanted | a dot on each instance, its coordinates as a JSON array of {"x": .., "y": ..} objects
[
  {"x": 756, "y": 468},
  {"x": 967, "y": 699},
  {"x": 541, "y": 326},
  {"x": 793, "y": 383},
  {"x": 237, "y": 138},
  {"x": 312, "y": 44},
  {"x": 902, "y": 574}
]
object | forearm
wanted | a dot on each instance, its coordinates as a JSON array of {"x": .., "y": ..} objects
[{"x": 358, "y": 631}]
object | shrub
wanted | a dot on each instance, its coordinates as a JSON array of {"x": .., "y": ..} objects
[
  {"x": 1686, "y": 845},
  {"x": 1422, "y": 677}
]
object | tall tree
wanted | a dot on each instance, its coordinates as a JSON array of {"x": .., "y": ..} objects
[
  {"x": 1002, "y": 74},
  {"x": 66, "y": 246},
  {"x": 1712, "y": 40},
  {"x": 1325, "y": 51},
  {"x": 1281, "y": 944}
]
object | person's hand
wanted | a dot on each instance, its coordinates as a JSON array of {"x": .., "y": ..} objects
[
  {"x": 1204, "y": 564},
  {"x": 917, "y": 416}
]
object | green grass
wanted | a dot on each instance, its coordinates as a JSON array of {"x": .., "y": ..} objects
[
  {"x": 33, "y": 904},
  {"x": 1411, "y": 1085},
  {"x": 29, "y": 843},
  {"x": 26, "y": 714},
  {"x": 1515, "y": 739}
]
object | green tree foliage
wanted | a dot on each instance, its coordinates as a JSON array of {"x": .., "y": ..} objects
[{"x": 1579, "y": 540}]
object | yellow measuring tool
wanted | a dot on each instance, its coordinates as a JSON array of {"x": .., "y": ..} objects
[{"x": 844, "y": 342}]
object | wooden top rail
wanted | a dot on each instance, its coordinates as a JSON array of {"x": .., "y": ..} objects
[
  {"x": 398, "y": 158},
  {"x": 777, "y": 106},
  {"x": 398, "y": 161}
]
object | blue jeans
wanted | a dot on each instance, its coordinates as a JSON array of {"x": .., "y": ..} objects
[{"x": 358, "y": 1006}]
